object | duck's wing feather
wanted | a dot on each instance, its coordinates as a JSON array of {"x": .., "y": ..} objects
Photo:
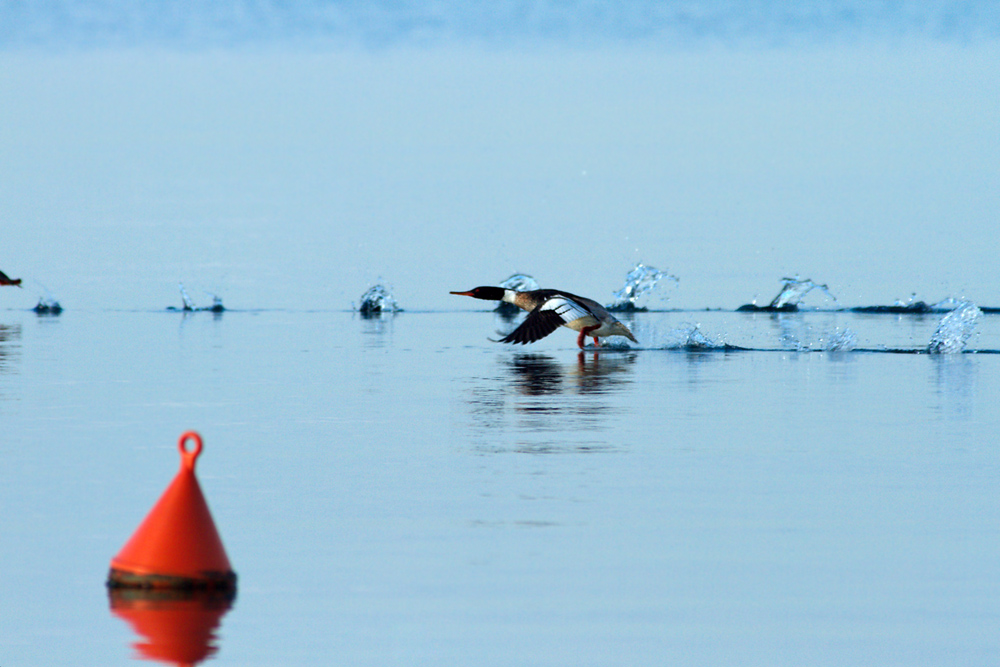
[{"x": 546, "y": 318}]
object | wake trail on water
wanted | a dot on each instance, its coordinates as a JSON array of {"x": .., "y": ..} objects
[{"x": 951, "y": 337}]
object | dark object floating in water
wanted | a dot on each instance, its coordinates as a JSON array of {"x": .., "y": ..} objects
[
  {"x": 912, "y": 308},
  {"x": 48, "y": 307},
  {"x": 793, "y": 290},
  {"x": 215, "y": 308},
  {"x": 754, "y": 308},
  {"x": 377, "y": 300},
  {"x": 189, "y": 306},
  {"x": 918, "y": 308},
  {"x": 627, "y": 307},
  {"x": 7, "y": 280}
]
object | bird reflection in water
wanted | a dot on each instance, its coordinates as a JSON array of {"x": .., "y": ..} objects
[
  {"x": 549, "y": 406},
  {"x": 10, "y": 337},
  {"x": 541, "y": 396},
  {"x": 540, "y": 374},
  {"x": 599, "y": 375},
  {"x": 536, "y": 374}
]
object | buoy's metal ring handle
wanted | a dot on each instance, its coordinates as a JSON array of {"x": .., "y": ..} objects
[{"x": 188, "y": 457}]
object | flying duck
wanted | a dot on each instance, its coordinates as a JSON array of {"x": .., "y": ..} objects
[
  {"x": 549, "y": 309},
  {"x": 7, "y": 280}
]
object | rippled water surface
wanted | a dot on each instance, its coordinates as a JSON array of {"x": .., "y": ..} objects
[{"x": 400, "y": 488}]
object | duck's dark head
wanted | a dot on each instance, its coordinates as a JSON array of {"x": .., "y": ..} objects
[{"x": 485, "y": 293}]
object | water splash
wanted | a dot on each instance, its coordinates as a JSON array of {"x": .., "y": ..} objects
[
  {"x": 48, "y": 304},
  {"x": 948, "y": 304},
  {"x": 190, "y": 307},
  {"x": 520, "y": 282},
  {"x": 793, "y": 290},
  {"x": 955, "y": 329},
  {"x": 840, "y": 341},
  {"x": 910, "y": 304},
  {"x": 639, "y": 282},
  {"x": 188, "y": 301},
  {"x": 377, "y": 300},
  {"x": 691, "y": 337}
]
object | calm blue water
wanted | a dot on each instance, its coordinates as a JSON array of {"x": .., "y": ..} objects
[
  {"x": 394, "y": 493},
  {"x": 402, "y": 490}
]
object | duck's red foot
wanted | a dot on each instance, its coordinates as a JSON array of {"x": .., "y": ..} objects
[{"x": 584, "y": 333}]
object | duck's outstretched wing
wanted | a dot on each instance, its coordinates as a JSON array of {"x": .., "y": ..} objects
[{"x": 545, "y": 319}]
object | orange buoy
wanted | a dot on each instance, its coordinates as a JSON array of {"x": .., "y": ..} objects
[{"x": 176, "y": 546}]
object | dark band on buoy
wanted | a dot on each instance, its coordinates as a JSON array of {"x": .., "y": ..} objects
[{"x": 208, "y": 581}]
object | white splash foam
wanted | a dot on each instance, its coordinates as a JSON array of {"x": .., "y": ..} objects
[
  {"x": 639, "y": 282},
  {"x": 793, "y": 290},
  {"x": 378, "y": 299},
  {"x": 955, "y": 329},
  {"x": 840, "y": 341},
  {"x": 520, "y": 282}
]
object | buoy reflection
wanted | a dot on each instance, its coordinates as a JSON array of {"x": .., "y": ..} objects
[{"x": 176, "y": 627}]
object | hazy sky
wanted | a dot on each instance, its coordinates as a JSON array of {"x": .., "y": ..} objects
[{"x": 286, "y": 177}]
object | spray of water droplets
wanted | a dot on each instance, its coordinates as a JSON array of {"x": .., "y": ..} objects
[
  {"x": 378, "y": 299},
  {"x": 793, "y": 290},
  {"x": 639, "y": 282},
  {"x": 955, "y": 329}
]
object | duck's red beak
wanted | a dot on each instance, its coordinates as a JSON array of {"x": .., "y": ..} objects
[{"x": 462, "y": 293}]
